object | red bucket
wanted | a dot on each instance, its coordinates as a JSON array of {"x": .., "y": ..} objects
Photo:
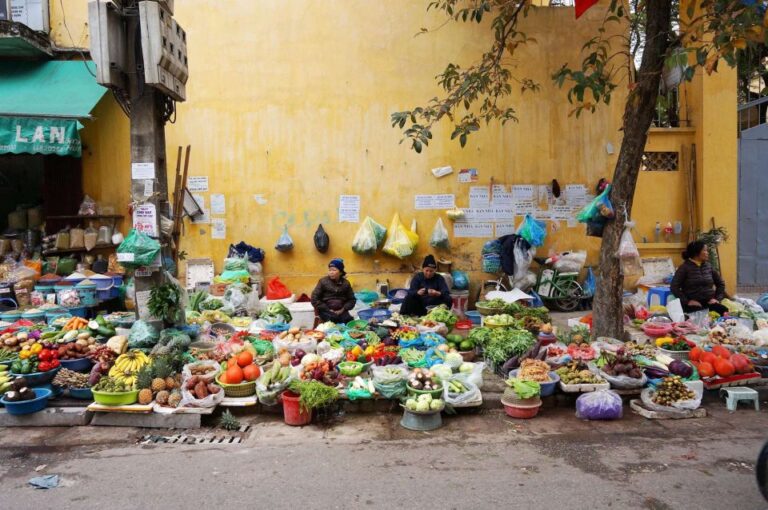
[{"x": 292, "y": 411}]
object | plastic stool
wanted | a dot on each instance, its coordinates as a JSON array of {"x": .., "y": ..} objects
[
  {"x": 738, "y": 393},
  {"x": 662, "y": 293}
]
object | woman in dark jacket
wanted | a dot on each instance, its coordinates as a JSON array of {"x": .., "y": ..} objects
[
  {"x": 333, "y": 296},
  {"x": 696, "y": 283},
  {"x": 427, "y": 289}
]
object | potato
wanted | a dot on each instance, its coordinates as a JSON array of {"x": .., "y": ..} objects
[
  {"x": 22, "y": 336},
  {"x": 91, "y": 340},
  {"x": 84, "y": 336},
  {"x": 10, "y": 342},
  {"x": 294, "y": 331},
  {"x": 81, "y": 343}
]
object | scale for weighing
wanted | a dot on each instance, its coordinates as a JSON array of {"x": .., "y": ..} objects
[{"x": 199, "y": 274}]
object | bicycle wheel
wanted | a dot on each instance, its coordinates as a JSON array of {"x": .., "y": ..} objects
[
  {"x": 572, "y": 296},
  {"x": 488, "y": 286}
]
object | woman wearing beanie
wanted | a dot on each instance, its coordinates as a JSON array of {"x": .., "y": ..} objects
[
  {"x": 696, "y": 283},
  {"x": 427, "y": 289},
  {"x": 333, "y": 296}
]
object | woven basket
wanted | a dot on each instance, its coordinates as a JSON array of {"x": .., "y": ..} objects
[
  {"x": 245, "y": 389},
  {"x": 489, "y": 311},
  {"x": 679, "y": 355}
]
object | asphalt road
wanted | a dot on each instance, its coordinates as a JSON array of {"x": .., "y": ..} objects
[{"x": 368, "y": 461}]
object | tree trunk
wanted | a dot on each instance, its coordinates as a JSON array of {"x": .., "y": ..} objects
[{"x": 608, "y": 312}]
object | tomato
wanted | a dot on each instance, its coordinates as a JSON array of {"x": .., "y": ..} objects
[
  {"x": 45, "y": 355},
  {"x": 54, "y": 354},
  {"x": 43, "y": 366},
  {"x": 55, "y": 363}
]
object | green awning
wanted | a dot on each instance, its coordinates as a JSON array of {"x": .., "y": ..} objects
[{"x": 40, "y": 103}]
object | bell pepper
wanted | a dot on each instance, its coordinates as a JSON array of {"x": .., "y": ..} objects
[
  {"x": 45, "y": 355},
  {"x": 36, "y": 348},
  {"x": 351, "y": 356},
  {"x": 369, "y": 350},
  {"x": 25, "y": 354},
  {"x": 26, "y": 367},
  {"x": 664, "y": 340}
]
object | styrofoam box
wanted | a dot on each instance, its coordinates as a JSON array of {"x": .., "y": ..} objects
[{"x": 303, "y": 315}]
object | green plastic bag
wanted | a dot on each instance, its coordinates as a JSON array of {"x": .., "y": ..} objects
[{"x": 137, "y": 250}]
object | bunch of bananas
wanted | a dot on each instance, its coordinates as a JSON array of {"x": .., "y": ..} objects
[
  {"x": 127, "y": 366},
  {"x": 5, "y": 379}
]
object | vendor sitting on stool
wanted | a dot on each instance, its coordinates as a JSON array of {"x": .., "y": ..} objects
[
  {"x": 333, "y": 297},
  {"x": 696, "y": 283},
  {"x": 427, "y": 289}
]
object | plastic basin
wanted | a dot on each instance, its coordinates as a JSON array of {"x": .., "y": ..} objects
[
  {"x": 28, "y": 406},
  {"x": 350, "y": 368},
  {"x": 435, "y": 393},
  {"x": 38, "y": 378},
  {"x": 367, "y": 296},
  {"x": 374, "y": 313},
  {"x": 392, "y": 295},
  {"x": 77, "y": 365},
  {"x": 357, "y": 324},
  {"x": 81, "y": 393},
  {"x": 523, "y": 412},
  {"x": 547, "y": 388},
  {"x": 474, "y": 316},
  {"x": 122, "y": 398}
]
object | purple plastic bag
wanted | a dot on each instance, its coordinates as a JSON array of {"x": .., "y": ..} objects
[{"x": 599, "y": 405}]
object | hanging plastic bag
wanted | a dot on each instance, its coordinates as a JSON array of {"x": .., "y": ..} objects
[
  {"x": 138, "y": 249},
  {"x": 322, "y": 241},
  {"x": 599, "y": 405},
  {"x": 590, "y": 285},
  {"x": 87, "y": 207},
  {"x": 366, "y": 241},
  {"x": 460, "y": 280},
  {"x": 600, "y": 207},
  {"x": 628, "y": 253},
  {"x": 532, "y": 230},
  {"x": 439, "y": 238},
  {"x": 277, "y": 290},
  {"x": 401, "y": 242},
  {"x": 285, "y": 243},
  {"x": 243, "y": 249}
]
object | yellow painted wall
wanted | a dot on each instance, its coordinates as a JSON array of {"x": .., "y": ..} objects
[{"x": 291, "y": 100}]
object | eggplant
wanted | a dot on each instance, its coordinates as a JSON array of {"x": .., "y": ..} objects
[{"x": 655, "y": 373}]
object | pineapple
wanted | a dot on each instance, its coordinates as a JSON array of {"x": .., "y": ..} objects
[
  {"x": 170, "y": 383},
  {"x": 161, "y": 371},
  {"x": 162, "y": 397},
  {"x": 144, "y": 385},
  {"x": 174, "y": 399},
  {"x": 228, "y": 421}
]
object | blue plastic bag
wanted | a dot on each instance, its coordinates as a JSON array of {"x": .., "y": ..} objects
[
  {"x": 763, "y": 302},
  {"x": 532, "y": 230},
  {"x": 492, "y": 247},
  {"x": 589, "y": 283},
  {"x": 460, "y": 280}
]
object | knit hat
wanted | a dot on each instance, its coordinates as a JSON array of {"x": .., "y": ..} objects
[
  {"x": 338, "y": 264},
  {"x": 429, "y": 261}
]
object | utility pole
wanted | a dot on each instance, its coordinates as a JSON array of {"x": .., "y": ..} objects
[{"x": 140, "y": 53}]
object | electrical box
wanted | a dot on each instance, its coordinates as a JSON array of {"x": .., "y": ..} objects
[
  {"x": 32, "y": 13},
  {"x": 107, "y": 43},
  {"x": 164, "y": 50}
]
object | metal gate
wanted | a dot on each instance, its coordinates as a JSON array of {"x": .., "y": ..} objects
[{"x": 753, "y": 194}]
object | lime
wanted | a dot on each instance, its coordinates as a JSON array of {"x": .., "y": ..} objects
[{"x": 466, "y": 345}]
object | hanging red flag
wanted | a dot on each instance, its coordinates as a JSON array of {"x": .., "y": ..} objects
[{"x": 582, "y": 6}]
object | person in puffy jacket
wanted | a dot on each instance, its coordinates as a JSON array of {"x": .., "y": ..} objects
[
  {"x": 333, "y": 296},
  {"x": 696, "y": 283},
  {"x": 427, "y": 289}
]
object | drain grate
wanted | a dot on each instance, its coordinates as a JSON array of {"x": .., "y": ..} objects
[{"x": 187, "y": 439}]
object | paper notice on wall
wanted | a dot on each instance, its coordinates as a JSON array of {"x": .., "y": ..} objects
[
  {"x": 197, "y": 183},
  {"x": 218, "y": 203},
  {"x": 502, "y": 197},
  {"x": 541, "y": 214},
  {"x": 349, "y": 208},
  {"x": 145, "y": 219},
  {"x": 205, "y": 217},
  {"x": 545, "y": 194},
  {"x": 467, "y": 175},
  {"x": 524, "y": 207},
  {"x": 149, "y": 187},
  {"x": 575, "y": 194},
  {"x": 478, "y": 197},
  {"x": 142, "y": 171},
  {"x": 218, "y": 228},
  {"x": 505, "y": 228},
  {"x": 561, "y": 212},
  {"x": 444, "y": 201},
  {"x": 523, "y": 192},
  {"x": 485, "y": 214},
  {"x": 482, "y": 230}
]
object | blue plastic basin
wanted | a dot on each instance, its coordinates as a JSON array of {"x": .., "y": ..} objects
[
  {"x": 28, "y": 406},
  {"x": 38, "y": 378},
  {"x": 81, "y": 393},
  {"x": 548, "y": 388},
  {"x": 77, "y": 365}
]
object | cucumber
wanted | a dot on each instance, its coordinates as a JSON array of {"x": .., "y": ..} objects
[
  {"x": 94, "y": 325},
  {"x": 101, "y": 321},
  {"x": 107, "y": 332}
]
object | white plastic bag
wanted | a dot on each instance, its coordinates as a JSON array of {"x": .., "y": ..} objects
[
  {"x": 439, "y": 237},
  {"x": 469, "y": 398},
  {"x": 623, "y": 382},
  {"x": 306, "y": 344},
  {"x": 571, "y": 262},
  {"x": 285, "y": 243},
  {"x": 476, "y": 376},
  {"x": 401, "y": 242},
  {"x": 389, "y": 374},
  {"x": 677, "y": 408},
  {"x": 269, "y": 396},
  {"x": 628, "y": 253},
  {"x": 189, "y": 400}
]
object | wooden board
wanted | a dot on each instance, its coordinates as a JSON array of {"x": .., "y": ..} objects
[
  {"x": 583, "y": 388},
  {"x": 181, "y": 410},
  {"x": 133, "y": 408},
  {"x": 637, "y": 407}
]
